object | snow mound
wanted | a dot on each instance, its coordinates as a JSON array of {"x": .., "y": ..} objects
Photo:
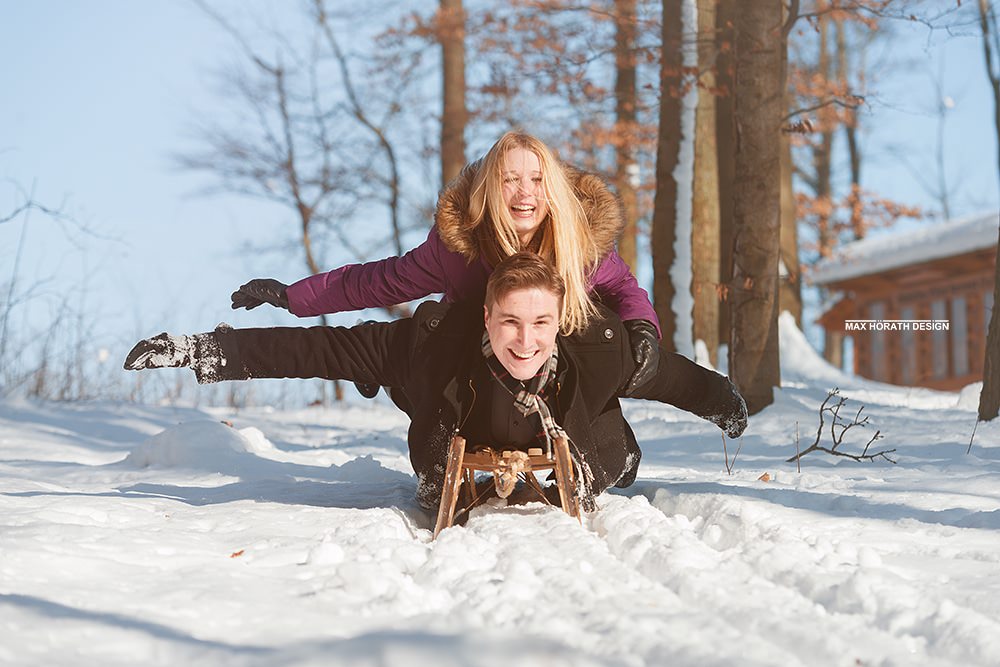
[
  {"x": 799, "y": 360},
  {"x": 968, "y": 397},
  {"x": 204, "y": 444},
  {"x": 802, "y": 365}
]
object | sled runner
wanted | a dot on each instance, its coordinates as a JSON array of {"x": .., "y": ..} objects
[{"x": 507, "y": 468}]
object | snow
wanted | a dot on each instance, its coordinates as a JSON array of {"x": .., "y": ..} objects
[
  {"x": 158, "y": 535},
  {"x": 892, "y": 250}
]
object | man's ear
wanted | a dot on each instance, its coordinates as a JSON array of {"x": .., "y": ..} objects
[{"x": 486, "y": 314}]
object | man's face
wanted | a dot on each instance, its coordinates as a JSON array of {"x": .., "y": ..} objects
[{"x": 522, "y": 328}]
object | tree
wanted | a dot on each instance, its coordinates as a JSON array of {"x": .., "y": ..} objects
[
  {"x": 302, "y": 135},
  {"x": 989, "y": 398},
  {"x": 454, "y": 115},
  {"x": 827, "y": 85},
  {"x": 360, "y": 114},
  {"x": 705, "y": 192},
  {"x": 759, "y": 84},
  {"x": 725, "y": 138},
  {"x": 583, "y": 77},
  {"x": 625, "y": 134},
  {"x": 664, "y": 227}
]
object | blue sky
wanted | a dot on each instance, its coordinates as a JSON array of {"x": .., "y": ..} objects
[{"x": 97, "y": 96}]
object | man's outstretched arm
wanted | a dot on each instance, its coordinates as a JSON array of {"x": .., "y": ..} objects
[
  {"x": 372, "y": 353},
  {"x": 688, "y": 386}
]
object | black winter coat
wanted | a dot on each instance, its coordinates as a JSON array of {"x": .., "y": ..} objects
[{"x": 432, "y": 356}]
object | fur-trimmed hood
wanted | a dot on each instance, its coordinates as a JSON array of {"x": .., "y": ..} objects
[{"x": 601, "y": 206}]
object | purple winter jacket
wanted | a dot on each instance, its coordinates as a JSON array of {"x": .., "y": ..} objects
[{"x": 431, "y": 268}]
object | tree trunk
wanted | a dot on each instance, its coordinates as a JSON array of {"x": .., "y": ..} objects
[
  {"x": 725, "y": 133},
  {"x": 833, "y": 342},
  {"x": 790, "y": 294},
  {"x": 790, "y": 274},
  {"x": 989, "y": 398},
  {"x": 454, "y": 115},
  {"x": 858, "y": 225},
  {"x": 705, "y": 192},
  {"x": 754, "y": 363},
  {"x": 822, "y": 154},
  {"x": 668, "y": 146},
  {"x": 626, "y": 167}
]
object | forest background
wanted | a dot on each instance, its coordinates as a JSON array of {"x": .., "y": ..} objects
[{"x": 157, "y": 156}]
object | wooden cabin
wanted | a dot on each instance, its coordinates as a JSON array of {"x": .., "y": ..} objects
[{"x": 916, "y": 304}]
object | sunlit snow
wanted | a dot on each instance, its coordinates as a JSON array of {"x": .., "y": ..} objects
[{"x": 160, "y": 536}]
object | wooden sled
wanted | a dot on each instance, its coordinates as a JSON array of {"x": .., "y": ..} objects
[{"x": 507, "y": 467}]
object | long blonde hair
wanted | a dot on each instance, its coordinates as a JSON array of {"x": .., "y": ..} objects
[{"x": 564, "y": 238}]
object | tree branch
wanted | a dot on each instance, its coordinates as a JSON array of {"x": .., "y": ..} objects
[{"x": 837, "y": 437}]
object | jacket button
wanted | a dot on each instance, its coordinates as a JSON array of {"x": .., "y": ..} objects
[
  {"x": 609, "y": 334},
  {"x": 434, "y": 322}
]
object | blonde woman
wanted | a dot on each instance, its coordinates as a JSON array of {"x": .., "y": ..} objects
[{"x": 516, "y": 197}]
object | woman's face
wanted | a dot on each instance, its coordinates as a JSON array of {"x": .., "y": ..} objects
[{"x": 523, "y": 192}]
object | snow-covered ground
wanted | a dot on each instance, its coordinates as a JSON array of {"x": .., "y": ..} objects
[{"x": 159, "y": 536}]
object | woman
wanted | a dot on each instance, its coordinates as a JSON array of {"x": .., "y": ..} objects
[{"x": 517, "y": 197}]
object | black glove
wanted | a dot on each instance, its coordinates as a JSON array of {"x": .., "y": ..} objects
[
  {"x": 645, "y": 350},
  {"x": 201, "y": 352},
  {"x": 730, "y": 411},
  {"x": 162, "y": 351},
  {"x": 258, "y": 291}
]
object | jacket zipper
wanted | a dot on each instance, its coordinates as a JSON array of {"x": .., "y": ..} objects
[{"x": 468, "y": 413}]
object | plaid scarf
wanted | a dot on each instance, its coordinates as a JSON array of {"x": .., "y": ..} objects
[{"x": 529, "y": 396}]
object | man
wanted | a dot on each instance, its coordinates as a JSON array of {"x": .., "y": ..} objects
[{"x": 498, "y": 374}]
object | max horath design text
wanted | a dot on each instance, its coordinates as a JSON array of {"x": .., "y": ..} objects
[{"x": 897, "y": 325}]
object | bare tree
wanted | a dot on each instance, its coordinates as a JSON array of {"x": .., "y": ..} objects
[
  {"x": 760, "y": 65},
  {"x": 50, "y": 356},
  {"x": 725, "y": 135},
  {"x": 705, "y": 191},
  {"x": 625, "y": 134},
  {"x": 454, "y": 115},
  {"x": 378, "y": 130},
  {"x": 664, "y": 228},
  {"x": 989, "y": 399},
  {"x": 304, "y": 136},
  {"x": 790, "y": 273}
]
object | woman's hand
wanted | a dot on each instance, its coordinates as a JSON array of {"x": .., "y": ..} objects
[
  {"x": 645, "y": 350},
  {"x": 259, "y": 291}
]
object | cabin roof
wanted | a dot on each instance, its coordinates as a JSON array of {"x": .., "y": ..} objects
[{"x": 922, "y": 244}]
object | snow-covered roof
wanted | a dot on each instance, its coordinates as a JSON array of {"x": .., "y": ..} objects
[{"x": 925, "y": 243}]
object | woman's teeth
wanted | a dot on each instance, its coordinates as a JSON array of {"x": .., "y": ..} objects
[{"x": 523, "y": 357}]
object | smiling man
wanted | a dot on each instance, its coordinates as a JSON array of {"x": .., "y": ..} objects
[{"x": 498, "y": 374}]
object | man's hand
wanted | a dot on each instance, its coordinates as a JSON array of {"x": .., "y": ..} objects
[
  {"x": 258, "y": 291},
  {"x": 162, "y": 351},
  {"x": 645, "y": 350},
  {"x": 731, "y": 412}
]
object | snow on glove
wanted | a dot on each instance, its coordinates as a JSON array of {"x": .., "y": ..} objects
[
  {"x": 201, "y": 352},
  {"x": 730, "y": 413},
  {"x": 162, "y": 351},
  {"x": 258, "y": 291},
  {"x": 645, "y": 350}
]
